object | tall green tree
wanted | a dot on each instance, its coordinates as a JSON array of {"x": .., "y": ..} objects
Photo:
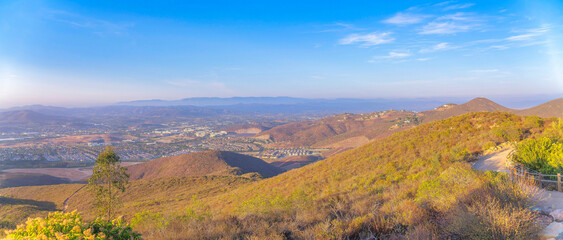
[{"x": 108, "y": 180}]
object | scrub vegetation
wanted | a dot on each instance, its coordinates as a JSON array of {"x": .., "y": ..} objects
[{"x": 414, "y": 184}]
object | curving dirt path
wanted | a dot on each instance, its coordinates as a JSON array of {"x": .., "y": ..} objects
[
  {"x": 65, "y": 203},
  {"x": 547, "y": 201},
  {"x": 493, "y": 161}
]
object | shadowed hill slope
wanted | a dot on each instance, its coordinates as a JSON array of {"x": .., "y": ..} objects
[
  {"x": 29, "y": 179},
  {"x": 295, "y": 162},
  {"x": 202, "y": 163}
]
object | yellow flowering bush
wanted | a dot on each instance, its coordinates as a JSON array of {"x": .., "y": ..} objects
[{"x": 69, "y": 226}]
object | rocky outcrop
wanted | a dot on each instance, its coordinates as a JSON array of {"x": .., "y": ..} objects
[
  {"x": 557, "y": 215},
  {"x": 552, "y": 231}
]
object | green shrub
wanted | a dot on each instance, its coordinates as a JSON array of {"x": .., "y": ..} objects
[
  {"x": 70, "y": 226},
  {"x": 115, "y": 229},
  {"x": 508, "y": 132},
  {"x": 541, "y": 154}
]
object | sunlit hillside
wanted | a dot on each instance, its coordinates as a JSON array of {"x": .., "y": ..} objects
[{"x": 414, "y": 183}]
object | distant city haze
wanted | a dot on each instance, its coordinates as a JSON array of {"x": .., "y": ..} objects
[{"x": 60, "y": 53}]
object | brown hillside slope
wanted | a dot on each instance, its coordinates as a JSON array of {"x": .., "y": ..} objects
[
  {"x": 442, "y": 140},
  {"x": 418, "y": 179},
  {"x": 348, "y": 131},
  {"x": 332, "y": 132},
  {"x": 202, "y": 163},
  {"x": 166, "y": 195},
  {"x": 450, "y": 110},
  {"x": 407, "y": 180},
  {"x": 552, "y": 108},
  {"x": 19, "y": 203}
]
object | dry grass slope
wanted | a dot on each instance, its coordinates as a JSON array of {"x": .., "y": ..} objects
[
  {"x": 202, "y": 163},
  {"x": 19, "y": 203},
  {"x": 552, "y": 108},
  {"x": 167, "y": 195},
  {"x": 346, "y": 130},
  {"x": 415, "y": 184},
  {"x": 475, "y": 105}
]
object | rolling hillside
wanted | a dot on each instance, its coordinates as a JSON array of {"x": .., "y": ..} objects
[
  {"x": 348, "y": 131},
  {"x": 340, "y": 131},
  {"x": 450, "y": 110},
  {"x": 202, "y": 163},
  {"x": 412, "y": 184},
  {"x": 19, "y": 203},
  {"x": 29, "y": 179},
  {"x": 552, "y": 108}
]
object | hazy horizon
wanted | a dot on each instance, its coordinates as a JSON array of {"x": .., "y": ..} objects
[
  {"x": 515, "y": 102},
  {"x": 60, "y": 53}
]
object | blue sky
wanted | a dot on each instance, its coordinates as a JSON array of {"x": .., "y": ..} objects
[{"x": 73, "y": 53}]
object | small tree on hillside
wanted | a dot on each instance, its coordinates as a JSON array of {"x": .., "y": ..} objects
[{"x": 107, "y": 181}]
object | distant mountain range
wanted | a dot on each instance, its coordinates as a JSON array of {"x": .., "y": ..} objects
[
  {"x": 45, "y": 115},
  {"x": 296, "y": 105},
  {"x": 31, "y": 117},
  {"x": 138, "y": 112}
]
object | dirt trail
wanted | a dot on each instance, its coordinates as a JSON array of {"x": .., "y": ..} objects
[
  {"x": 494, "y": 161},
  {"x": 546, "y": 200},
  {"x": 65, "y": 204}
]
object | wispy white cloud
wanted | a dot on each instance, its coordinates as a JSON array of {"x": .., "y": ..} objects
[
  {"x": 451, "y": 23},
  {"x": 406, "y": 18},
  {"x": 529, "y": 34},
  {"x": 484, "y": 70},
  {"x": 499, "y": 47},
  {"x": 423, "y": 59},
  {"x": 443, "y": 3},
  {"x": 458, "y": 6},
  {"x": 339, "y": 27},
  {"x": 98, "y": 26},
  {"x": 445, "y": 28},
  {"x": 397, "y": 55},
  {"x": 521, "y": 37},
  {"x": 393, "y": 56},
  {"x": 459, "y": 16},
  {"x": 438, "y": 47},
  {"x": 524, "y": 38},
  {"x": 370, "y": 39}
]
